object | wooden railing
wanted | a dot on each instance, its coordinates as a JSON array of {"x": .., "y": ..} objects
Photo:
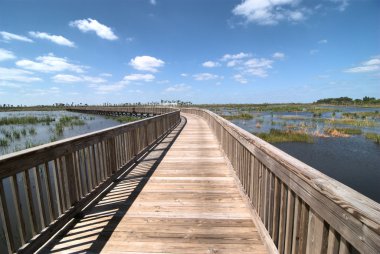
[
  {"x": 43, "y": 188},
  {"x": 302, "y": 210},
  {"x": 137, "y": 111}
]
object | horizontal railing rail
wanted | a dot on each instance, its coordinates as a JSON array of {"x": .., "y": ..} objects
[
  {"x": 303, "y": 210},
  {"x": 146, "y": 110},
  {"x": 43, "y": 188}
]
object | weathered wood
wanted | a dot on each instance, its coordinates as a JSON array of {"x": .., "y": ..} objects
[
  {"x": 351, "y": 214},
  {"x": 333, "y": 242},
  {"x": 176, "y": 211},
  {"x": 50, "y": 183}
]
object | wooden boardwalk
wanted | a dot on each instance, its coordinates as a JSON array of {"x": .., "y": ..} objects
[{"x": 180, "y": 198}]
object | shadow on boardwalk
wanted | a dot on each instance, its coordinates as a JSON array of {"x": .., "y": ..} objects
[{"x": 90, "y": 231}]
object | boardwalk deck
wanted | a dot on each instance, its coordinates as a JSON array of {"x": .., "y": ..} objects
[{"x": 180, "y": 198}]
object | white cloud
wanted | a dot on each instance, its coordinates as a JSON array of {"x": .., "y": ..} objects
[
  {"x": 6, "y": 55},
  {"x": 146, "y": 63},
  {"x": 240, "y": 55},
  {"x": 205, "y": 76},
  {"x": 257, "y": 67},
  {"x": 66, "y": 78},
  {"x": 17, "y": 75},
  {"x": 210, "y": 64},
  {"x": 240, "y": 78},
  {"x": 50, "y": 63},
  {"x": 178, "y": 88},
  {"x": 371, "y": 65},
  {"x": 278, "y": 55},
  {"x": 9, "y": 36},
  {"x": 342, "y": 4},
  {"x": 269, "y": 12},
  {"x": 153, "y": 2},
  {"x": 139, "y": 77},
  {"x": 323, "y": 41},
  {"x": 86, "y": 25},
  {"x": 104, "y": 74},
  {"x": 184, "y": 75},
  {"x": 57, "y": 39}
]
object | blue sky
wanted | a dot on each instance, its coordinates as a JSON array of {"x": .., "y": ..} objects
[{"x": 204, "y": 51}]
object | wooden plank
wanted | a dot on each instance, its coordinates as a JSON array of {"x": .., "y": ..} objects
[
  {"x": 282, "y": 220},
  {"x": 333, "y": 242},
  {"x": 316, "y": 233},
  {"x": 173, "y": 211},
  {"x": 289, "y": 222}
]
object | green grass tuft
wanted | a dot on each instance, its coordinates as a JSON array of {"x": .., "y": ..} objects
[{"x": 276, "y": 136}]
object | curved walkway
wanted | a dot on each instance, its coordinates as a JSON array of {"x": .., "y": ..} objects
[{"x": 180, "y": 198}]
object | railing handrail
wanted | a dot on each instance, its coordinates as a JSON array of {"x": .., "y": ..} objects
[
  {"x": 360, "y": 213},
  {"x": 10, "y": 163},
  {"x": 44, "y": 187}
]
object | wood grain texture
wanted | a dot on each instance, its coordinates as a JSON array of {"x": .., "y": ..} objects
[{"x": 188, "y": 203}]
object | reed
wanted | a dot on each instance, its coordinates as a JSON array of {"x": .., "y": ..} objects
[{"x": 277, "y": 136}]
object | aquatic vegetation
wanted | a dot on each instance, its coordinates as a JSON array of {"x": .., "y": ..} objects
[
  {"x": 276, "y": 136},
  {"x": 346, "y": 121},
  {"x": 361, "y": 115},
  {"x": 291, "y": 117},
  {"x": 32, "y": 131},
  {"x": 4, "y": 142},
  {"x": 67, "y": 121},
  {"x": 342, "y": 132},
  {"x": 241, "y": 116},
  {"x": 124, "y": 119},
  {"x": 23, "y": 132},
  {"x": 16, "y": 134},
  {"x": 25, "y": 120},
  {"x": 373, "y": 136}
]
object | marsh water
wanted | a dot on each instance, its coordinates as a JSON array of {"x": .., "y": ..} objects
[
  {"x": 353, "y": 160},
  {"x": 42, "y": 133}
]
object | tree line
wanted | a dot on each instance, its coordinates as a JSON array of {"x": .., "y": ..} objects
[{"x": 349, "y": 101}]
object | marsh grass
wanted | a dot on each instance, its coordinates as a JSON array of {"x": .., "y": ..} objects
[
  {"x": 32, "y": 131},
  {"x": 373, "y": 136},
  {"x": 67, "y": 121},
  {"x": 25, "y": 120},
  {"x": 124, "y": 119},
  {"x": 277, "y": 136},
  {"x": 241, "y": 116},
  {"x": 346, "y": 121},
  {"x": 343, "y": 132},
  {"x": 4, "y": 142},
  {"x": 362, "y": 115}
]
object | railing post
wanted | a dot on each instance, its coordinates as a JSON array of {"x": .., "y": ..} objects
[
  {"x": 112, "y": 154},
  {"x": 73, "y": 191}
]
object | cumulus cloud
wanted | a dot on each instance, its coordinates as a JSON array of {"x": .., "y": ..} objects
[
  {"x": 240, "y": 78},
  {"x": 146, "y": 63},
  {"x": 67, "y": 78},
  {"x": 278, "y": 55},
  {"x": 269, "y": 12},
  {"x": 205, "y": 76},
  {"x": 323, "y": 41},
  {"x": 371, "y": 65},
  {"x": 9, "y": 37},
  {"x": 139, "y": 77},
  {"x": 178, "y": 88},
  {"x": 237, "y": 56},
  {"x": 87, "y": 25},
  {"x": 17, "y": 75},
  {"x": 6, "y": 55},
  {"x": 257, "y": 67},
  {"x": 50, "y": 63},
  {"x": 57, "y": 39},
  {"x": 210, "y": 64}
]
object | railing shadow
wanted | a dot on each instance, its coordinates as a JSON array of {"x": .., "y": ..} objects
[{"x": 90, "y": 231}]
